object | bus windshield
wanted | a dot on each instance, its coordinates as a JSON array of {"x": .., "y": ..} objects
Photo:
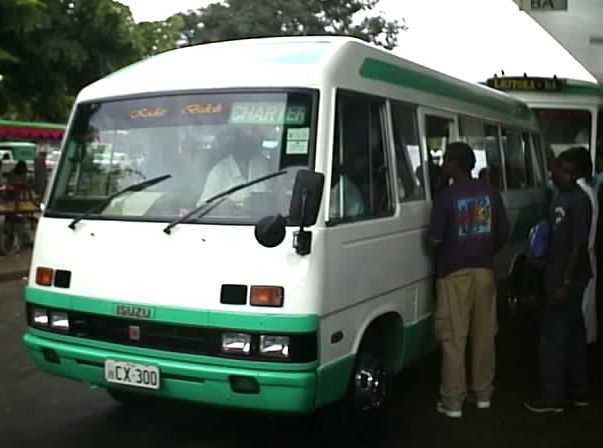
[
  {"x": 564, "y": 128},
  {"x": 207, "y": 143}
]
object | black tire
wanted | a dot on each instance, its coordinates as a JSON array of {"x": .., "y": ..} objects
[{"x": 362, "y": 414}]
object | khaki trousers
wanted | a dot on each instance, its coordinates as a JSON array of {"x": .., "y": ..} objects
[{"x": 466, "y": 308}]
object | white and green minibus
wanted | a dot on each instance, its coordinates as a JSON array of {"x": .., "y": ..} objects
[
  {"x": 570, "y": 111},
  {"x": 570, "y": 114},
  {"x": 242, "y": 223}
]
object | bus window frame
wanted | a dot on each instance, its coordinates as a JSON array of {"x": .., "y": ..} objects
[
  {"x": 574, "y": 107},
  {"x": 528, "y": 156},
  {"x": 539, "y": 158},
  {"x": 315, "y": 117},
  {"x": 424, "y": 112},
  {"x": 520, "y": 132},
  {"x": 386, "y": 136},
  {"x": 394, "y": 153},
  {"x": 497, "y": 126}
]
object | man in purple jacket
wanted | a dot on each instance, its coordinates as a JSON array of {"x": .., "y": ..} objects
[{"x": 468, "y": 227}]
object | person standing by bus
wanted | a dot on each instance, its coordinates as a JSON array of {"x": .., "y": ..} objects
[
  {"x": 468, "y": 227},
  {"x": 18, "y": 186},
  {"x": 585, "y": 182},
  {"x": 40, "y": 174},
  {"x": 562, "y": 358},
  {"x": 4, "y": 164}
]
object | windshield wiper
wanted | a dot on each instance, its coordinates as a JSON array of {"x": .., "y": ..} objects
[
  {"x": 103, "y": 204},
  {"x": 209, "y": 202}
]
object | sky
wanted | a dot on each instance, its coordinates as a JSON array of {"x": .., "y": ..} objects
[{"x": 468, "y": 39}]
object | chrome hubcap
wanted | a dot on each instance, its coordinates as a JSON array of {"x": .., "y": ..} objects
[{"x": 370, "y": 388}]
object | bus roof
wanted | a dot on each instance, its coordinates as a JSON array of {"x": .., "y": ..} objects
[{"x": 305, "y": 61}]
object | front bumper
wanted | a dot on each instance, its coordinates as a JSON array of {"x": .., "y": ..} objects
[{"x": 279, "y": 391}]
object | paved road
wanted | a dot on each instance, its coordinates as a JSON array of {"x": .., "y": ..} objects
[{"x": 36, "y": 408}]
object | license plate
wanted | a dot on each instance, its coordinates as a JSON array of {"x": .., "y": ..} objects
[{"x": 131, "y": 374}]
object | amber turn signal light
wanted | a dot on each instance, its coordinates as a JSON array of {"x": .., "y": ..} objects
[
  {"x": 267, "y": 296},
  {"x": 44, "y": 276}
]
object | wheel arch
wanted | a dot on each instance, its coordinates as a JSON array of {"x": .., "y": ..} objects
[{"x": 383, "y": 334}]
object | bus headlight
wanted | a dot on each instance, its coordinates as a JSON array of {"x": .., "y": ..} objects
[
  {"x": 236, "y": 343},
  {"x": 59, "y": 320},
  {"x": 275, "y": 346},
  {"x": 39, "y": 317}
]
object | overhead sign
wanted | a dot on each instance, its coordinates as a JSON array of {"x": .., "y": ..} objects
[
  {"x": 526, "y": 84},
  {"x": 543, "y": 5}
]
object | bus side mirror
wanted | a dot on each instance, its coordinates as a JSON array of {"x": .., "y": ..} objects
[
  {"x": 270, "y": 231},
  {"x": 305, "y": 202}
]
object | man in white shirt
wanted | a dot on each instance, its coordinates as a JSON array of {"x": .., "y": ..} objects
[
  {"x": 242, "y": 163},
  {"x": 353, "y": 204},
  {"x": 344, "y": 192}
]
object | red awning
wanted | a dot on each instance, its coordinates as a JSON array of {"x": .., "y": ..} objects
[{"x": 9, "y": 132}]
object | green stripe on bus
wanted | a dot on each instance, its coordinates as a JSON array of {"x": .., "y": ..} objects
[
  {"x": 280, "y": 391},
  {"x": 581, "y": 89},
  {"x": 333, "y": 380},
  {"x": 251, "y": 321},
  {"x": 417, "y": 340},
  {"x": 408, "y": 78}
]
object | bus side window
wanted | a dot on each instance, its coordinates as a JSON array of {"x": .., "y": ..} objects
[
  {"x": 528, "y": 159},
  {"x": 483, "y": 139},
  {"x": 378, "y": 179},
  {"x": 360, "y": 186},
  {"x": 517, "y": 177},
  {"x": 538, "y": 161},
  {"x": 437, "y": 136},
  {"x": 409, "y": 161}
]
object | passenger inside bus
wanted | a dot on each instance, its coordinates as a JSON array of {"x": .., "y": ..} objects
[
  {"x": 243, "y": 162},
  {"x": 342, "y": 187}
]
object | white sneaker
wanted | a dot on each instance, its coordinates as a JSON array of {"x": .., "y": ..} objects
[
  {"x": 448, "y": 412},
  {"x": 479, "y": 404}
]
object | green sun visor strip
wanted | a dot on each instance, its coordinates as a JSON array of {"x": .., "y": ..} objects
[
  {"x": 215, "y": 319},
  {"x": 408, "y": 78}
]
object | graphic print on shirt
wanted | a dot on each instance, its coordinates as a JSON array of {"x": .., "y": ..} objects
[{"x": 474, "y": 216}]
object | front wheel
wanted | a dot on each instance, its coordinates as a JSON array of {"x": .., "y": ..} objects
[
  {"x": 362, "y": 414},
  {"x": 370, "y": 386}
]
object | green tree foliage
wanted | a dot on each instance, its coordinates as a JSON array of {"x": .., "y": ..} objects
[
  {"x": 50, "y": 49},
  {"x": 234, "y": 19},
  {"x": 156, "y": 37},
  {"x": 17, "y": 17},
  {"x": 55, "y": 47}
]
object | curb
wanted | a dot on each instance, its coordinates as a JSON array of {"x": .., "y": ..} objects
[{"x": 14, "y": 275}]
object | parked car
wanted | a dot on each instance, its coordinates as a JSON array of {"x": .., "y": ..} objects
[
  {"x": 52, "y": 159},
  {"x": 25, "y": 151}
]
